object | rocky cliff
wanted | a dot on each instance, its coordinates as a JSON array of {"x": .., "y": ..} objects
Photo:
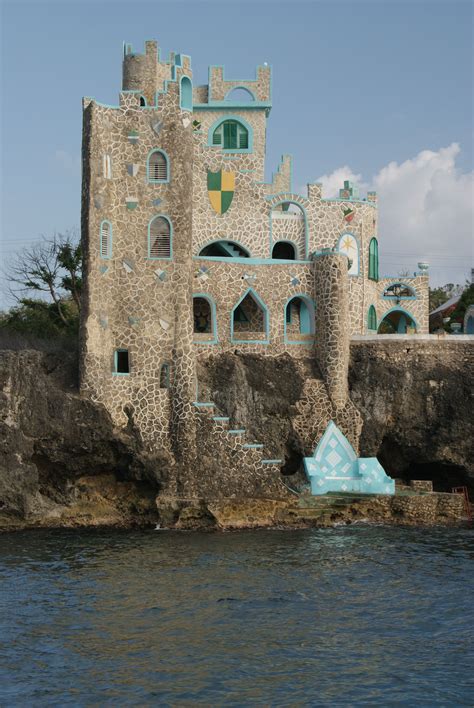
[{"x": 62, "y": 462}]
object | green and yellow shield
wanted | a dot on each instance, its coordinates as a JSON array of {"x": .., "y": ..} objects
[{"x": 220, "y": 187}]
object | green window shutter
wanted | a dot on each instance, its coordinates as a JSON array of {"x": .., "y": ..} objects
[
  {"x": 217, "y": 136},
  {"x": 230, "y": 135},
  {"x": 373, "y": 260},
  {"x": 243, "y": 138}
]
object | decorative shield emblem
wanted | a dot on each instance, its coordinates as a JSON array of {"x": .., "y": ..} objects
[
  {"x": 348, "y": 214},
  {"x": 220, "y": 187}
]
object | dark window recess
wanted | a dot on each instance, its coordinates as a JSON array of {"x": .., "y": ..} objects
[
  {"x": 123, "y": 363},
  {"x": 284, "y": 251}
]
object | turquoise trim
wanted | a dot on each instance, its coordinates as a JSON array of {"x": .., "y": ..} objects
[
  {"x": 272, "y": 462},
  {"x": 186, "y": 94},
  {"x": 241, "y": 82},
  {"x": 236, "y": 88},
  {"x": 349, "y": 233},
  {"x": 253, "y": 446},
  {"x": 309, "y": 321},
  {"x": 402, "y": 311},
  {"x": 251, "y": 261},
  {"x": 266, "y": 319},
  {"x": 240, "y": 431},
  {"x": 221, "y": 240},
  {"x": 109, "y": 240},
  {"x": 170, "y": 257},
  {"x": 219, "y": 122},
  {"x": 158, "y": 181},
  {"x": 200, "y": 404},
  {"x": 120, "y": 373},
  {"x": 305, "y": 215},
  {"x": 225, "y": 105},
  {"x": 213, "y": 332},
  {"x": 352, "y": 201}
]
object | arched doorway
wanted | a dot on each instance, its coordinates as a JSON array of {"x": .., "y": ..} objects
[
  {"x": 224, "y": 249},
  {"x": 204, "y": 319},
  {"x": 397, "y": 321},
  {"x": 299, "y": 320}
]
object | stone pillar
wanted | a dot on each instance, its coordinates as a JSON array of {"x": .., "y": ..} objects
[{"x": 332, "y": 323}]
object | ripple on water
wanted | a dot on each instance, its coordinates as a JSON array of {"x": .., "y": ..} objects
[{"x": 353, "y": 615}]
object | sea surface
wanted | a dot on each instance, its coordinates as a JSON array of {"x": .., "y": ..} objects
[{"x": 351, "y": 616}]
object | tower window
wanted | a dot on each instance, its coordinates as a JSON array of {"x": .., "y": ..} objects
[
  {"x": 157, "y": 167},
  {"x": 372, "y": 319},
  {"x": 159, "y": 238},
  {"x": 142, "y": 101},
  {"x": 121, "y": 362},
  {"x": 231, "y": 135},
  {"x": 374, "y": 259},
  {"x": 105, "y": 239},
  {"x": 106, "y": 167},
  {"x": 186, "y": 94}
]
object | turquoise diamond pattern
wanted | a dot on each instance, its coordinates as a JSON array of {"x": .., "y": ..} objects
[{"x": 335, "y": 467}]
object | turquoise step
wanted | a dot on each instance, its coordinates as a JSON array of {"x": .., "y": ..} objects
[
  {"x": 198, "y": 404},
  {"x": 237, "y": 432},
  {"x": 220, "y": 417},
  {"x": 255, "y": 446},
  {"x": 272, "y": 462}
]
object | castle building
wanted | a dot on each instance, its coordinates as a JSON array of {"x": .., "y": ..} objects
[{"x": 189, "y": 252}]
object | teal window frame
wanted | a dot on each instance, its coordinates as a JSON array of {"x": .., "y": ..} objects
[
  {"x": 186, "y": 94},
  {"x": 213, "y": 333},
  {"x": 216, "y": 137},
  {"x": 258, "y": 300},
  {"x": 160, "y": 258},
  {"x": 115, "y": 371},
  {"x": 108, "y": 254},
  {"x": 373, "y": 259},
  {"x": 152, "y": 180},
  {"x": 309, "y": 319},
  {"x": 372, "y": 319}
]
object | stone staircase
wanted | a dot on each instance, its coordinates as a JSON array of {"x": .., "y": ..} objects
[{"x": 236, "y": 438}]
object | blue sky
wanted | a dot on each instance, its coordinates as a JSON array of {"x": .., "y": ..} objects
[{"x": 357, "y": 86}]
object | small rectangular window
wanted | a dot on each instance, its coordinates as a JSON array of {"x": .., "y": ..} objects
[
  {"x": 107, "y": 166},
  {"x": 122, "y": 362}
]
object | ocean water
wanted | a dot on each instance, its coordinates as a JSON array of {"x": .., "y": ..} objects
[{"x": 356, "y": 615}]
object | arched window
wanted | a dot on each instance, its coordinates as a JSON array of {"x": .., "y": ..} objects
[
  {"x": 349, "y": 247},
  {"x": 186, "y": 94},
  {"x": 299, "y": 320},
  {"x": 231, "y": 135},
  {"x": 284, "y": 250},
  {"x": 374, "y": 259},
  {"x": 159, "y": 237},
  {"x": 157, "y": 168},
  {"x": 250, "y": 321},
  {"x": 224, "y": 249},
  {"x": 165, "y": 375},
  {"x": 399, "y": 291},
  {"x": 240, "y": 94},
  {"x": 142, "y": 101},
  {"x": 204, "y": 318},
  {"x": 372, "y": 319},
  {"x": 106, "y": 239}
]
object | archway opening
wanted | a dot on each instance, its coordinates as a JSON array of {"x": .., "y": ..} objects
[
  {"x": 299, "y": 320},
  {"x": 397, "y": 322},
  {"x": 284, "y": 251},
  {"x": 240, "y": 94},
  {"x": 203, "y": 319},
  {"x": 249, "y": 320},
  {"x": 224, "y": 249},
  {"x": 470, "y": 325}
]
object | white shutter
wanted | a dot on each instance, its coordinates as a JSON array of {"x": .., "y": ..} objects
[{"x": 160, "y": 241}]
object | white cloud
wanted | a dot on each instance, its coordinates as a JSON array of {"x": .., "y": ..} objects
[
  {"x": 71, "y": 163},
  {"x": 426, "y": 211}
]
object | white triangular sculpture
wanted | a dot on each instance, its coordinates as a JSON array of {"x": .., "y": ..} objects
[{"x": 335, "y": 467}]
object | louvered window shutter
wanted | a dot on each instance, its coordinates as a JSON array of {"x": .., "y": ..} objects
[
  {"x": 217, "y": 136},
  {"x": 105, "y": 239},
  {"x": 158, "y": 167},
  {"x": 160, "y": 239},
  {"x": 243, "y": 138}
]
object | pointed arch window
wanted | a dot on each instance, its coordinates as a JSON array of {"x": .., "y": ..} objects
[
  {"x": 250, "y": 320},
  {"x": 231, "y": 135},
  {"x": 372, "y": 319},
  {"x": 160, "y": 238},
  {"x": 105, "y": 237},
  {"x": 374, "y": 259},
  {"x": 157, "y": 168}
]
